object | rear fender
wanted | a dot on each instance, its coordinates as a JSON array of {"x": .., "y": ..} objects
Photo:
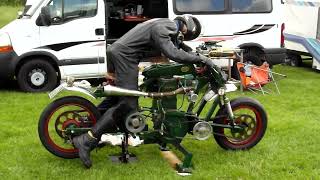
[{"x": 64, "y": 87}]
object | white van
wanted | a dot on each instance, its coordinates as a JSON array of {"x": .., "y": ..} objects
[
  {"x": 71, "y": 42},
  {"x": 302, "y": 32}
]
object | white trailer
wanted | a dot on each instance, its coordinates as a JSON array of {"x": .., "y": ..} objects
[{"x": 302, "y": 32}]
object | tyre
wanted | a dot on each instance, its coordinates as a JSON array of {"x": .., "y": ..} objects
[
  {"x": 59, "y": 116},
  {"x": 294, "y": 60},
  {"x": 253, "y": 56},
  {"x": 248, "y": 113},
  {"x": 37, "y": 75}
]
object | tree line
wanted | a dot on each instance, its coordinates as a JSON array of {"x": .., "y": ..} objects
[{"x": 12, "y": 2}]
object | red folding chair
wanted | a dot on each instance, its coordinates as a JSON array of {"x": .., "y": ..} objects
[{"x": 254, "y": 78}]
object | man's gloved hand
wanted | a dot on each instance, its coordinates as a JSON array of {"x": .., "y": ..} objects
[{"x": 207, "y": 61}]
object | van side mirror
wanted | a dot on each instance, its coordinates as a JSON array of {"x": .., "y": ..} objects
[{"x": 44, "y": 18}]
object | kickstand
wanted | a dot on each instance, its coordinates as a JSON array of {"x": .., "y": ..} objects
[{"x": 125, "y": 156}]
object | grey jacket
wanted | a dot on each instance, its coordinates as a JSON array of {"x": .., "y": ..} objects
[{"x": 155, "y": 35}]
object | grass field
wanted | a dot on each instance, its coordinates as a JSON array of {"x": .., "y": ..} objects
[
  {"x": 289, "y": 149},
  {"x": 8, "y": 13}
]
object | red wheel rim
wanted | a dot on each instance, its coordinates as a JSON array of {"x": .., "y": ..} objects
[
  {"x": 253, "y": 136},
  {"x": 48, "y": 137}
]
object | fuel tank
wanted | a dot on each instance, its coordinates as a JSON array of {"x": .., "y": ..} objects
[{"x": 168, "y": 70}]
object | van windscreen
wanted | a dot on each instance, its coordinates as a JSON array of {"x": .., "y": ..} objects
[{"x": 26, "y": 9}]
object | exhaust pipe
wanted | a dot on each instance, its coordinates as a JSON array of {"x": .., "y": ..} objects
[{"x": 116, "y": 91}]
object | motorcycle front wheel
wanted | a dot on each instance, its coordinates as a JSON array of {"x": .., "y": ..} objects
[
  {"x": 59, "y": 118},
  {"x": 250, "y": 115}
]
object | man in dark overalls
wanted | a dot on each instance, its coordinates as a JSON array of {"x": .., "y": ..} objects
[{"x": 161, "y": 35}]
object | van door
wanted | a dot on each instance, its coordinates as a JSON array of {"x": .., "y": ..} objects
[{"x": 77, "y": 26}]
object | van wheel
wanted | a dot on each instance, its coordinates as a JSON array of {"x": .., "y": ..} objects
[
  {"x": 254, "y": 59},
  {"x": 294, "y": 60},
  {"x": 252, "y": 56},
  {"x": 36, "y": 76}
]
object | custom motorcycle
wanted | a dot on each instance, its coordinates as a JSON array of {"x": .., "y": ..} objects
[{"x": 186, "y": 99}]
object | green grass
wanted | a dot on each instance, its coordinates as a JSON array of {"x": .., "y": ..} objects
[
  {"x": 289, "y": 149},
  {"x": 12, "y": 2},
  {"x": 7, "y": 14}
]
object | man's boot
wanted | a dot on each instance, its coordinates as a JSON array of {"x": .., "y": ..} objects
[{"x": 85, "y": 143}]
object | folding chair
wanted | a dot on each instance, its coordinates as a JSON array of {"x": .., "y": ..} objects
[{"x": 254, "y": 78}]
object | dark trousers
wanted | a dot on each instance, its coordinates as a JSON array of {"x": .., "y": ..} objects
[{"x": 125, "y": 67}]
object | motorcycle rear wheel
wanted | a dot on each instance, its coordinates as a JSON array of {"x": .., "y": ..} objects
[
  {"x": 248, "y": 113},
  {"x": 70, "y": 111}
]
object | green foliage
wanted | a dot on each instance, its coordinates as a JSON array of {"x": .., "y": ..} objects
[
  {"x": 7, "y": 14},
  {"x": 12, "y": 2}
]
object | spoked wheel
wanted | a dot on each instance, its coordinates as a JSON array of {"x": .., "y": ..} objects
[
  {"x": 250, "y": 116},
  {"x": 63, "y": 119}
]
